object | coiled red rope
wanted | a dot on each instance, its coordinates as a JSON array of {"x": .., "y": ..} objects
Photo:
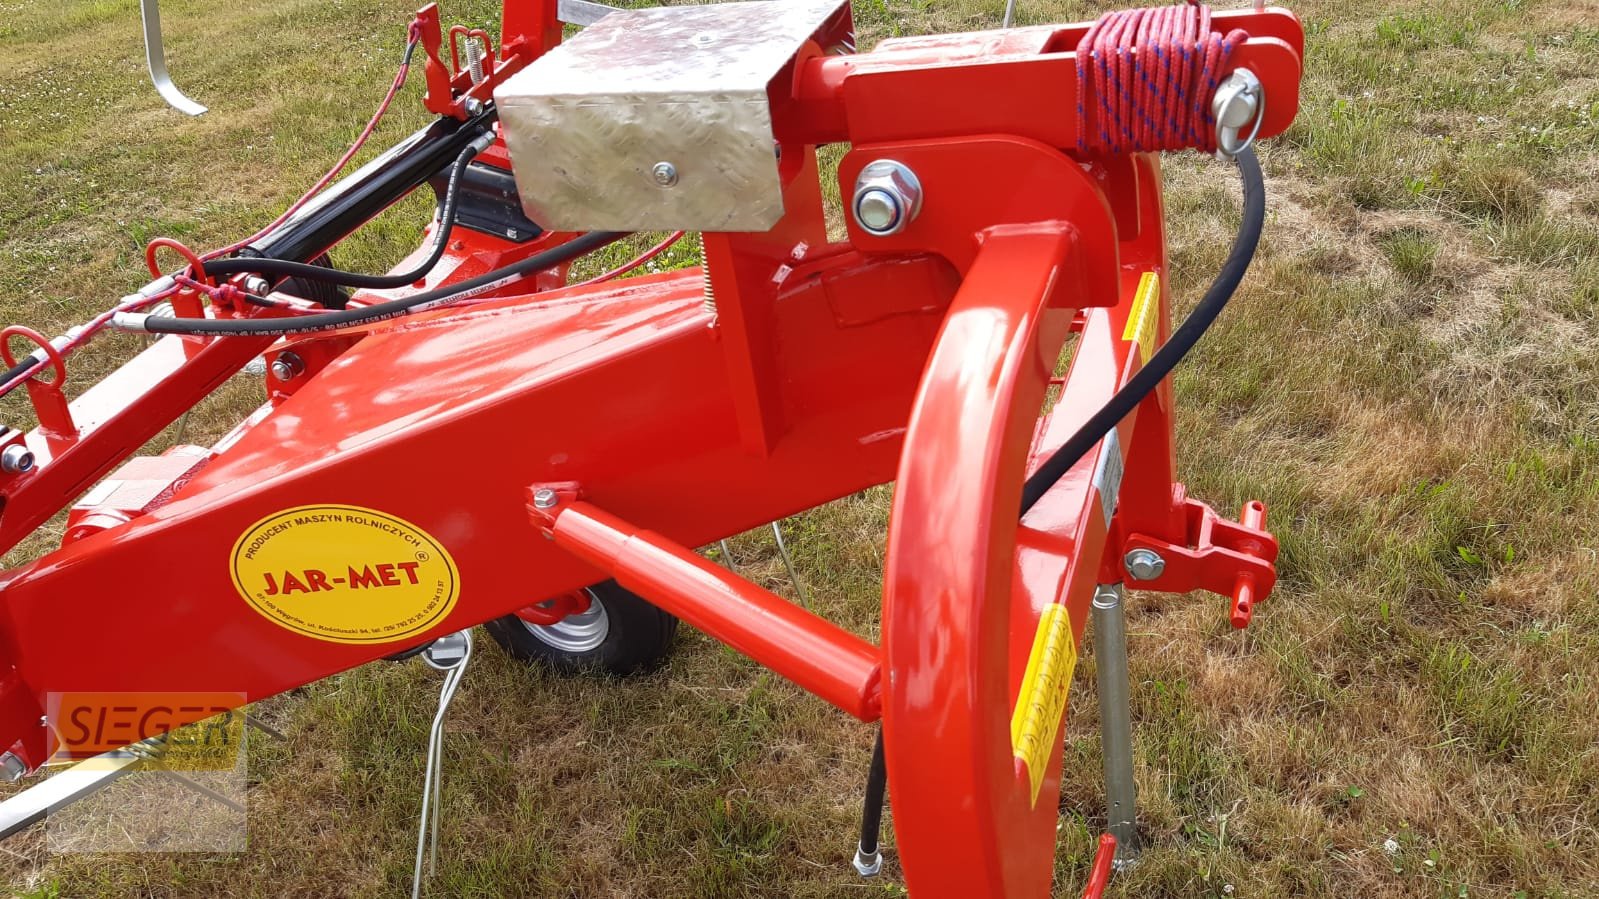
[{"x": 1154, "y": 72}]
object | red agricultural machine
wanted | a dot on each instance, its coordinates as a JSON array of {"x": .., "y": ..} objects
[{"x": 471, "y": 440}]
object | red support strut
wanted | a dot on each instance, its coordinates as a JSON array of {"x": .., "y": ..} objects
[{"x": 810, "y": 651}]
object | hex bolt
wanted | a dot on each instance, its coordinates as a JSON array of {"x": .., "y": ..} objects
[
  {"x": 16, "y": 459},
  {"x": 473, "y": 106},
  {"x": 257, "y": 285},
  {"x": 888, "y": 197},
  {"x": 664, "y": 173},
  {"x": 545, "y": 498},
  {"x": 12, "y": 768},
  {"x": 1144, "y": 564},
  {"x": 287, "y": 366}
]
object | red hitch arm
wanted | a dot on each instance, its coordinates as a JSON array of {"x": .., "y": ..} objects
[{"x": 1232, "y": 559}]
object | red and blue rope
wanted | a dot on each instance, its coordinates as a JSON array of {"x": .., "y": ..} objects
[{"x": 1153, "y": 73}]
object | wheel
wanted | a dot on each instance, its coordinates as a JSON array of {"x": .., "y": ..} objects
[{"x": 619, "y": 632}]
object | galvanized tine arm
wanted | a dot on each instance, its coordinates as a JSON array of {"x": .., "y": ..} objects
[
  {"x": 793, "y": 575},
  {"x": 450, "y": 655},
  {"x": 155, "y": 55}
]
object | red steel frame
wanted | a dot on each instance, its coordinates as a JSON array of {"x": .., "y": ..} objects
[{"x": 825, "y": 368}]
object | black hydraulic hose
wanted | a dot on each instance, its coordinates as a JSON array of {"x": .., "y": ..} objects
[
  {"x": 289, "y": 269},
  {"x": 323, "y": 321},
  {"x": 872, "y": 808},
  {"x": 1166, "y": 358},
  {"x": 20, "y": 369},
  {"x": 1123, "y": 402}
]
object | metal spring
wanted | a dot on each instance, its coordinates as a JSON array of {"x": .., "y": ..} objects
[
  {"x": 710, "y": 291},
  {"x": 474, "y": 60}
]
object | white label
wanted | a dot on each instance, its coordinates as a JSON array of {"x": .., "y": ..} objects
[{"x": 1108, "y": 476}]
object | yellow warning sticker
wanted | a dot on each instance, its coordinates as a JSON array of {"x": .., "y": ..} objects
[
  {"x": 345, "y": 574},
  {"x": 1143, "y": 325},
  {"x": 1045, "y": 685}
]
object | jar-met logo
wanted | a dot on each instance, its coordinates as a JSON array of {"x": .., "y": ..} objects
[{"x": 345, "y": 574}]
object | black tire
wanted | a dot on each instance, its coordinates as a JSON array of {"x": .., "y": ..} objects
[{"x": 636, "y": 636}]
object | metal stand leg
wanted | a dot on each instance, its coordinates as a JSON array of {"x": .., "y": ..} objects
[
  {"x": 450, "y": 655},
  {"x": 1115, "y": 720}
]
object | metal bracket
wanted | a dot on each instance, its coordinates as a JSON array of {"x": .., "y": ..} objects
[{"x": 155, "y": 54}]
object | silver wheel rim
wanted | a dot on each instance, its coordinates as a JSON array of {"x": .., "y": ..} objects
[{"x": 584, "y": 631}]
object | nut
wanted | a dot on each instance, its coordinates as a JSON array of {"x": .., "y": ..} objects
[{"x": 888, "y": 197}]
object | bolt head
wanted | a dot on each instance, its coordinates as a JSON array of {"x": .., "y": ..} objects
[
  {"x": 286, "y": 367},
  {"x": 12, "y": 768},
  {"x": 664, "y": 173},
  {"x": 257, "y": 285},
  {"x": 545, "y": 498},
  {"x": 16, "y": 459},
  {"x": 878, "y": 211},
  {"x": 473, "y": 106},
  {"x": 1144, "y": 564}
]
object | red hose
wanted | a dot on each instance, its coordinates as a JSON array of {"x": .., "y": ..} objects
[{"x": 412, "y": 38}]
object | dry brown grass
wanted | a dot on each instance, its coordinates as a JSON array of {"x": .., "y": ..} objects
[{"x": 1409, "y": 379}]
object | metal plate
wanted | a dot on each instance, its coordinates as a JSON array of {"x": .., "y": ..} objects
[
  {"x": 581, "y": 12},
  {"x": 588, "y": 123}
]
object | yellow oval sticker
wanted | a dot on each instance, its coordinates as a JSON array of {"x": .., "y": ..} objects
[{"x": 345, "y": 574}]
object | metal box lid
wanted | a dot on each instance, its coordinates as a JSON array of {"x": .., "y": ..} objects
[{"x": 658, "y": 119}]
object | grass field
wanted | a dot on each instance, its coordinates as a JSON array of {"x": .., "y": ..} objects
[{"x": 1409, "y": 378}]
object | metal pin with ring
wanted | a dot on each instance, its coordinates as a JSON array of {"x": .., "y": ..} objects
[{"x": 1240, "y": 99}]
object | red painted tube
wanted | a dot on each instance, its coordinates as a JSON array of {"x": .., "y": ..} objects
[
  {"x": 1099, "y": 875},
  {"x": 808, "y": 650},
  {"x": 1253, "y": 516}
]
